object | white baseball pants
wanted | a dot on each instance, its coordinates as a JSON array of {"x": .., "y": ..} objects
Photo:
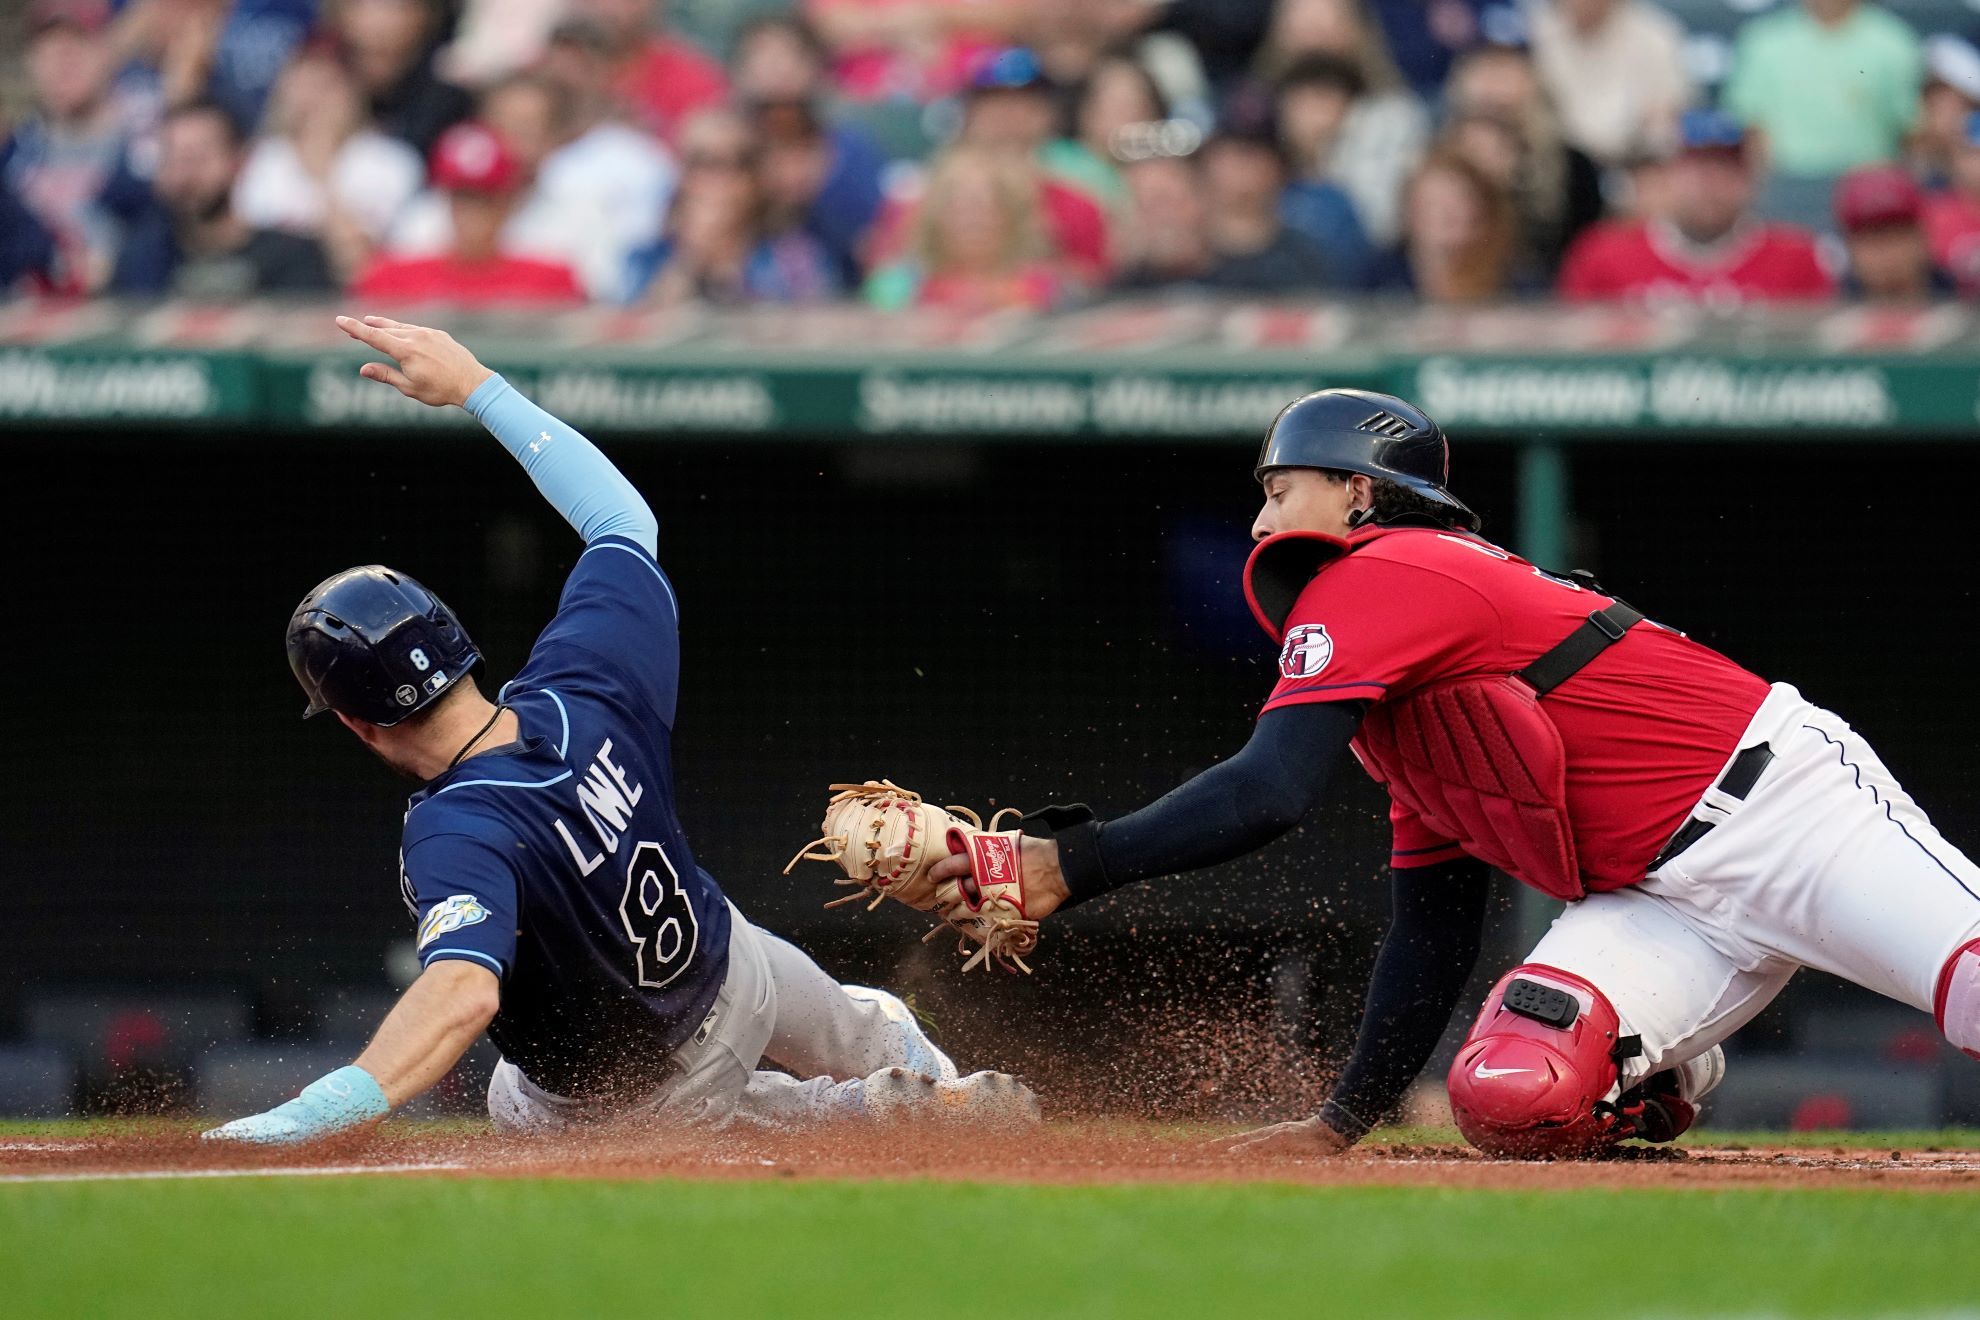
[
  {"x": 1827, "y": 863},
  {"x": 775, "y": 1004}
]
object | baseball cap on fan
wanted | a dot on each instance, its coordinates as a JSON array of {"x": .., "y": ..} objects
[
  {"x": 473, "y": 158},
  {"x": 1013, "y": 69},
  {"x": 1954, "y": 61},
  {"x": 1711, "y": 131},
  {"x": 1878, "y": 197}
]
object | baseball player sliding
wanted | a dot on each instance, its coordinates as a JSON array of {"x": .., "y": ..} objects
[
  {"x": 1711, "y": 833},
  {"x": 558, "y": 904}
]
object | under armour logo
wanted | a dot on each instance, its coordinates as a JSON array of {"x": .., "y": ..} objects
[
  {"x": 1385, "y": 423},
  {"x": 542, "y": 439}
]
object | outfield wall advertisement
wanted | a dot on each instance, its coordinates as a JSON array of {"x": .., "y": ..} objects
[{"x": 1187, "y": 370}]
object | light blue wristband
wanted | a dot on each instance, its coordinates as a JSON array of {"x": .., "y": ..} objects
[{"x": 332, "y": 1103}]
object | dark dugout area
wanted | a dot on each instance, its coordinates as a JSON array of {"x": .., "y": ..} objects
[{"x": 993, "y": 624}]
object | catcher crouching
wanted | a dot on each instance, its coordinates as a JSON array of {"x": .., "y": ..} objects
[{"x": 1710, "y": 832}]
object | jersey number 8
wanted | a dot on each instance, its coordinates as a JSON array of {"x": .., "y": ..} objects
[{"x": 657, "y": 916}]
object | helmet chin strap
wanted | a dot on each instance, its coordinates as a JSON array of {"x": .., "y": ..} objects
[{"x": 1356, "y": 517}]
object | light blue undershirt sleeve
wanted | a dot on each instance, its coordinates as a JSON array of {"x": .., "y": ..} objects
[{"x": 579, "y": 482}]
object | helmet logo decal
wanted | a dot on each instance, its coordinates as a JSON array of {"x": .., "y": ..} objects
[
  {"x": 1385, "y": 423},
  {"x": 406, "y": 694}
]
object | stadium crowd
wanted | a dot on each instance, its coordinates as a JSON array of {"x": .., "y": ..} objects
[{"x": 987, "y": 154}]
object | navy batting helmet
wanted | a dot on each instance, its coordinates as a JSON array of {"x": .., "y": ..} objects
[
  {"x": 1361, "y": 431},
  {"x": 376, "y": 645}
]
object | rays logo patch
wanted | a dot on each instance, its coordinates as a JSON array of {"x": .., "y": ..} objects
[
  {"x": 450, "y": 913},
  {"x": 1307, "y": 650}
]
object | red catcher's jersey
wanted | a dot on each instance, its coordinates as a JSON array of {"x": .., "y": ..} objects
[
  {"x": 1633, "y": 260},
  {"x": 1647, "y": 725}
]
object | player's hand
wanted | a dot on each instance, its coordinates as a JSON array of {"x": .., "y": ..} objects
[
  {"x": 1044, "y": 882},
  {"x": 347, "y": 1098},
  {"x": 273, "y": 1128},
  {"x": 432, "y": 367},
  {"x": 1308, "y": 1138}
]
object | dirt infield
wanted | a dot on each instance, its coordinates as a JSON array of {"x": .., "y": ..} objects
[{"x": 1059, "y": 1152}]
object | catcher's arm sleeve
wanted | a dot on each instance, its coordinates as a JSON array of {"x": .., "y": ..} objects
[
  {"x": 1435, "y": 927},
  {"x": 579, "y": 482},
  {"x": 1233, "y": 808}
]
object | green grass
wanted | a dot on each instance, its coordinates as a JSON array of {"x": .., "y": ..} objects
[{"x": 366, "y": 1247}]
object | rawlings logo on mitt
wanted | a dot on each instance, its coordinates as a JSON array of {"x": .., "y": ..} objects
[{"x": 884, "y": 839}]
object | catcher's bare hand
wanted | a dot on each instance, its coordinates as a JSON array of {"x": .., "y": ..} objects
[
  {"x": 1044, "y": 883},
  {"x": 1308, "y": 1138},
  {"x": 432, "y": 367}
]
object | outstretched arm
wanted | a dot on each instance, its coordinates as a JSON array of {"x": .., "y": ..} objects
[
  {"x": 1235, "y": 807},
  {"x": 579, "y": 482},
  {"x": 423, "y": 1036},
  {"x": 1426, "y": 957}
]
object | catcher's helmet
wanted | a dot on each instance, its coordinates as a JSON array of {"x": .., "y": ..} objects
[
  {"x": 376, "y": 645},
  {"x": 1361, "y": 431}
]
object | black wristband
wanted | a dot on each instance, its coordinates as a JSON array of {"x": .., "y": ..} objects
[{"x": 1077, "y": 833}]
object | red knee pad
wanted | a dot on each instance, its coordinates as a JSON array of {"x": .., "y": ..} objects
[
  {"x": 1956, "y": 1006},
  {"x": 1541, "y": 1058}
]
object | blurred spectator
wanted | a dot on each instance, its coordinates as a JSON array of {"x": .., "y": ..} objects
[
  {"x": 228, "y": 51},
  {"x": 481, "y": 177},
  {"x": 389, "y": 46},
  {"x": 1253, "y": 249},
  {"x": 976, "y": 242},
  {"x": 1503, "y": 123},
  {"x": 780, "y": 60},
  {"x": 599, "y": 165},
  {"x": 1426, "y": 36},
  {"x": 1386, "y": 128},
  {"x": 1115, "y": 111},
  {"x": 496, "y": 38},
  {"x": 660, "y": 78},
  {"x": 717, "y": 246},
  {"x": 1011, "y": 107},
  {"x": 60, "y": 159},
  {"x": 1952, "y": 93},
  {"x": 585, "y": 211},
  {"x": 1225, "y": 34},
  {"x": 1643, "y": 187},
  {"x": 1073, "y": 39},
  {"x": 1460, "y": 233},
  {"x": 1614, "y": 70},
  {"x": 163, "y": 51},
  {"x": 912, "y": 50},
  {"x": 1014, "y": 106},
  {"x": 1832, "y": 84},
  {"x": 319, "y": 169},
  {"x": 796, "y": 165},
  {"x": 27, "y": 249},
  {"x": 1312, "y": 104},
  {"x": 1710, "y": 248},
  {"x": 191, "y": 242},
  {"x": 1880, "y": 211},
  {"x": 1168, "y": 240},
  {"x": 1952, "y": 215}
]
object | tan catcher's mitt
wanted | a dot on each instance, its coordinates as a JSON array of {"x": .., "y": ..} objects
[{"x": 885, "y": 840}]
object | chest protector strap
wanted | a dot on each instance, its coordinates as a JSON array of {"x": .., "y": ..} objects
[{"x": 1481, "y": 762}]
